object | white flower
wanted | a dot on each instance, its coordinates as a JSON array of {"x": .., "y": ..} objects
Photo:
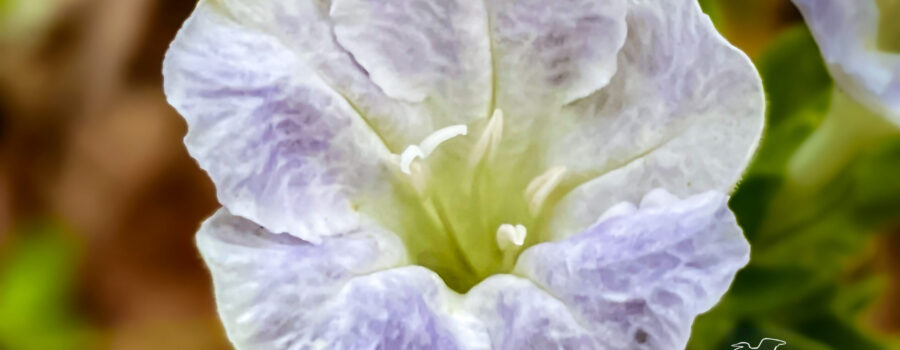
[
  {"x": 371, "y": 153},
  {"x": 860, "y": 42}
]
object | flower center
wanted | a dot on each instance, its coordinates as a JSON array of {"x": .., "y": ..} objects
[
  {"x": 469, "y": 208},
  {"x": 888, "y": 26}
]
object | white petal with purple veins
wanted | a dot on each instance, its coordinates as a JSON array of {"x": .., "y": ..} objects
[
  {"x": 309, "y": 30},
  {"x": 279, "y": 292},
  {"x": 549, "y": 53},
  {"x": 634, "y": 281},
  {"x": 282, "y": 148},
  {"x": 638, "y": 281},
  {"x": 417, "y": 49},
  {"x": 269, "y": 287},
  {"x": 684, "y": 112},
  {"x": 519, "y": 315}
]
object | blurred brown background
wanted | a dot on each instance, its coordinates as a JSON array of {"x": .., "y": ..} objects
[
  {"x": 91, "y": 158},
  {"x": 88, "y": 142}
]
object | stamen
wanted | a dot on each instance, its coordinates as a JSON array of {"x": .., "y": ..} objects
[
  {"x": 428, "y": 145},
  {"x": 541, "y": 187},
  {"x": 489, "y": 141},
  {"x": 417, "y": 177},
  {"x": 409, "y": 155},
  {"x": 509, "y": 236}
]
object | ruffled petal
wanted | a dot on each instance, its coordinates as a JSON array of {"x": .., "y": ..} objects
[
  {"x": 549, "y": 53},
  {"x": 418, "y": 49},
  {"x": 633, "y": 281},
  {"x": 637, "y": 281},
  {"x": 427, "y": 70},
  {"x": 282, "y": 148},
  {"x": 402, "y": 308},
  {"x": 519, "y": 315},
  {"x": 279, "y": 292},
  {"x": 684, "y": 111},
  {"x": 847, "y": 32}
]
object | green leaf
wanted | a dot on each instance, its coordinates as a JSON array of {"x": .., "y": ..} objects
[
  {"x": 810, "y": 277},
  {"x": 876, "y": 194}
]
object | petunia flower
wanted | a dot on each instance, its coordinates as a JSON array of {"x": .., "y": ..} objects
[
  {"x": 465, "y": 174},
  {"x": 860, "y": 42}
]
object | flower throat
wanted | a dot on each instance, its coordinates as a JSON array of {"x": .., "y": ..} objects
[
  {"x": 468, "y": 211},
  {"x": 888, "y": 26}
]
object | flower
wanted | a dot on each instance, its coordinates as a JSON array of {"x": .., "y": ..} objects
[
  {"x": 860, "y": 42},
  {"x": 460, "y": 174}
]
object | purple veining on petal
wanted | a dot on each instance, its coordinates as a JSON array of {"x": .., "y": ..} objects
[
  {"x": 271, "y": 287},
  {"x": 282, "y": 148},
  {"x": 387, "y": 310},
  {"x": 646, "y": 275},
  {"x": 519, "y": 315}
]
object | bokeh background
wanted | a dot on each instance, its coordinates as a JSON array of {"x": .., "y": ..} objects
[{"x": 99, "y": 200}]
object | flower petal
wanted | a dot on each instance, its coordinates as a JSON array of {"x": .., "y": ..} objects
[
  {"x": 401, "y": 308},
  {"x": 549, "y": 53},
  {"x": 418, "y": 49},
  {"x": 347, "y": 45},
  {"x": 846, "y": 31},
  {"x": 282, "y": 148},
  {"x": 684, "y": 111},
  {"x": 520, "y": 315},
  {"x": 638, "y": 281},
  {"x": 634, "y": 281},
  {"x": 279, "y": 292}
]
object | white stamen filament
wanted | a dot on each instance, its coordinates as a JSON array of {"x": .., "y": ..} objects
[
  {"x": 417, "y": 177},
  {"x": 428, "y": 145},
  {"x": 409, "y": 155},
  {"x": 489, "y": 141},
  {"x": 509, "y": 236},
  {"x": 541, "y": 187}
]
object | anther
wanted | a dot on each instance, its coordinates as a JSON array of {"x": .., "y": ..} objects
[
  {"x": 428, "y": 145},
  {"x": 509, "y": 236},
  {"x": 541, "y": 187},
  {"x": 417, "y": 177},
  {"x": 487, "y": 144}
]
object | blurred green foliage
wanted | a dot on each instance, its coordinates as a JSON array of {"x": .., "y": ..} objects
[
  {"x": 710, "y": 7},
  {"x": 811, "y": 276},
  {"x": 22, "y": 20},
  {"x": 37, "y": 279}
]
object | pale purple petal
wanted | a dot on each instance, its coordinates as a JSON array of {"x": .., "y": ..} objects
[
  {"x": 519, "y": 315},
  {"x": 401, "y": 308},
  {"x": 684, "y": 112},
  {"x": 637, "y": 281},
  {"x": 359, "y": 72},
  {"x": 279, "y": 292},
  {"x": 633, "y": 281},
  {"x": 282, "y": 148},
  {"x": 418, "y": 49},
  {"x": 547, "y": 54},
  {"x": 546, "y": 48}
]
